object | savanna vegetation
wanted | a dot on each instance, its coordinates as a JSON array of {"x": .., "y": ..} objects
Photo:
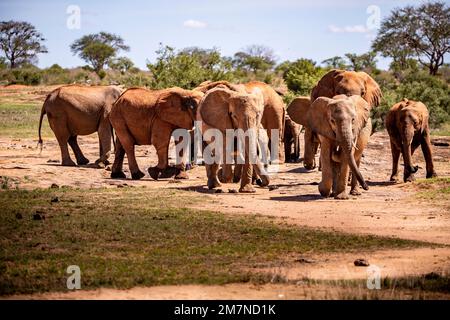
[{"x": 415, "y": 38}]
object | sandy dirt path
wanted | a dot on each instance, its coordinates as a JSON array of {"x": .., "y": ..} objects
[{"x": 386, "y": 209}]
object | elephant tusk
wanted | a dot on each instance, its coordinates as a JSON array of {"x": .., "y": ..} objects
[{"x": 354, "y": 145}]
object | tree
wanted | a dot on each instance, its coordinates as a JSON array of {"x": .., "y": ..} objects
[
  {"x": 335, "y": 62},
  {"x": 364, "y": 62},
  {"x": 302, "y": 75},
  {"x": 122, "y": 64},
  {"x": 255, "y": 58},
  {"x": 422, "y": 32},
  {"x": 98, "y": 49},
  {"x": 187, "y": 68},
  {"x": 20, "y": 42}
]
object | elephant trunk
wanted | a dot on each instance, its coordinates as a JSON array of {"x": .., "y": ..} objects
[
  {"x": 347, "y": 148},
  {"x": 407, "y": 136}
]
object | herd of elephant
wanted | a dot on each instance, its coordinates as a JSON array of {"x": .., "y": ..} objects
[{"x": 336, "y": 116}]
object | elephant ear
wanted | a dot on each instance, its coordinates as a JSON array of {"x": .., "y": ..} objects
[
  {"x": 176, "y": 108},
  {"x": 319, "y": 117},
  {"x": 373, "y": 92},
  {"x": 326, "y": 85},
  {"x": 214, "y": 108},
  {"x": 362, "y": 108},
  {"x": 298, "y": 109}
]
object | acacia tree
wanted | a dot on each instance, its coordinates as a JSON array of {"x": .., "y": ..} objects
[
  {"x": 98, "y": 49},
  {"x": 422, "y": 32},
  {"x": 255, "y": 58},
  {"x": 20, "y": 42},
  {"x": 364, "y": 62},
  {"x": 335, "y": 62}
]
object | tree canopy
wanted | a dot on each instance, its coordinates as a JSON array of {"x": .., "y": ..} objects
[
  {"x": 421, "y": 32},
  {"x": 98, "y": 49},
  {"x": 20, "y": 42}
]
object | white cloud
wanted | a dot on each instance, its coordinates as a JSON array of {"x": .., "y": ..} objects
[
  {"x": 194, "y": 24},
  {"x": 359, "y": 28}
]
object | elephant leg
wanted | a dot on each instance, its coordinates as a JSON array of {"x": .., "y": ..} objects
[
  {"x": 287, "y": 150},
  {"x": 237, "y": 173},
  {"x": 116, "y": 170},
  {"x": 62, "y": 135},
  {"x": 395, "y": 157},
  {"x": 297, "y": 148},
  {"x": 426, "y": 149},
  {"x": 104, "y": 137},
  {"x": 341, "y": 182},
  {"x": 262, "y": 176},
  {"x": 162, "y": 150},
  {"x": 211, "y": 173},
  {"x": 181, "y": 163},
  {"x": 246, "y": 179},
  {"x": 81, "y": 159},
  {"x": 327, "y": 172}
]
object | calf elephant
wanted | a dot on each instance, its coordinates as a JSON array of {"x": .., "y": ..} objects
[
  {"x": 291, "y": 140},
  {"x": 337, "y": 82},
  {"x": 343, "y": 126},
  {"x": 75, "y": 110},
  {"x": 274, "y": 112},
  {"x": 297, "y": 111},
  {"x": 144, "y": 117},
  {"x": 223, "y": 110},
  {"x": 407, "y": 125}
]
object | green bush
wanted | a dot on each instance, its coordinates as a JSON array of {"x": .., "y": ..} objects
[
  {"x": 433, "y": 91},
  {"x": 28, "y": 75}
]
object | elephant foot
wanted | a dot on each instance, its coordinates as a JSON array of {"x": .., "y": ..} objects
[
  {"x": 431, "y": 175},
  {"x": 137, "y": 175},
  {"x": 118, "y": 175},
  {"x": 248, "y": 188},
  {"x": 168, "y": 172},
  {"x": 341, "y": 196},
  {"x": 409, "y": 178},
  {"x": 309, "y": 167},
  {"x": 263, "y": 181},
  {"x": 213, "y": 183},
  {"x": 82, "y": 161},
  {"x": 102, "y": 162},
  {"x": 154, "y": 172},
  {"x": 355, "y": 192},
  {"x": 324, "y": 192},
  {"x": 394, "y": 178},
  {"x": 68, "y": 163},
  {"x": 181, "y": 175}
]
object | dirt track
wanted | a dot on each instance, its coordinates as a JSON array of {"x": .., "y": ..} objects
[{"x": 386, "y": 209}]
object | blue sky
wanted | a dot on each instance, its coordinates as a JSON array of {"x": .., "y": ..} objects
[{"x": 314, "y": 29}]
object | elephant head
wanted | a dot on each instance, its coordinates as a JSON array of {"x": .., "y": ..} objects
[
  {"x": 340, "y": 119},
  {"x": 349, "y": 83},
  {"x": 178, "y": 107}
]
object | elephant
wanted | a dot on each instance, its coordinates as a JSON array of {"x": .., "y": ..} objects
[
  {"x": 407, "y": 125},
  {"x": 343, "y": 126},
  {"x": 274, "y": 108},
  {"x": 74, "y": 110},
  {"x": 291, "y": 140},
  {"x": 337, "y": 82},
  {"x": 224, "y": 109},
  {"x": 297, "y": 111},
  {"x": 146, "y": 117}
]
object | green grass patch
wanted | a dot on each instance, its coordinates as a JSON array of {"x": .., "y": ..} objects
[
  {"x": 140, "y": 237},
  {"x": 433, "y": 189},
  {"x": 21, "y": 120},
  {"x": 443, "y": 130}
]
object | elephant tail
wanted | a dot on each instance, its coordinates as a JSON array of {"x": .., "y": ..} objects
[{"x": 40, "y": 127}]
